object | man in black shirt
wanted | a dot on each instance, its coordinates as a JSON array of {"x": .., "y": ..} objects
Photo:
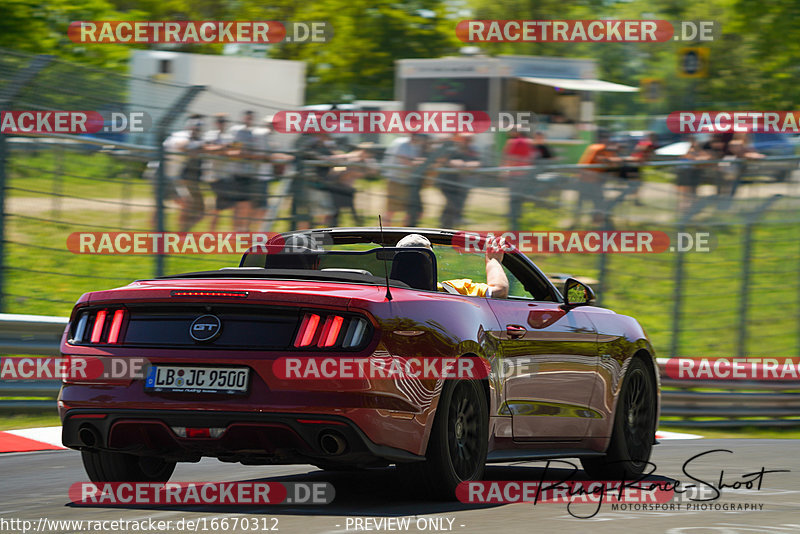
[{"x": 459, "y": 154}]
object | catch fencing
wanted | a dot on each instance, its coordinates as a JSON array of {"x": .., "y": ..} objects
[{"x": 739, "y": 298}]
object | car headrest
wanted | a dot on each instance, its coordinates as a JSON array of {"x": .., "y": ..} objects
[
  {"x": 292, "y": 260},
  {"x": 415, "y": 267},
  {"x": 289, "y": 258}
]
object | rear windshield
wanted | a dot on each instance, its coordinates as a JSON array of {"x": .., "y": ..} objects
[{"x": 414, "y": 267}]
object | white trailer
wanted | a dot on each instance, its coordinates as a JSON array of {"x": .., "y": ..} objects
[{"x": 234, "y": 84}]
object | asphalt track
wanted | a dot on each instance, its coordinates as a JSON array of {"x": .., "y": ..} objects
[{"x": 34, "y": 485}]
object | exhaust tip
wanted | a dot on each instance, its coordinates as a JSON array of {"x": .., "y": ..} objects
[
  {"x": 89, "y": 436},
  {"x": 332, "y": 443}
]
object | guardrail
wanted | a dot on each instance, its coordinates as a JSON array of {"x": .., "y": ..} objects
[
  {"x": 31, "y": 334},
  {"x": 731, "y": 403},
  {"x": 37, "y": 335}
]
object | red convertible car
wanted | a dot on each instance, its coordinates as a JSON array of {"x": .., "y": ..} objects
[{"x": 563, "y": 378}]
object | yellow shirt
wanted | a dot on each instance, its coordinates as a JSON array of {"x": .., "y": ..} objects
[{"x": 465, "y": 286}]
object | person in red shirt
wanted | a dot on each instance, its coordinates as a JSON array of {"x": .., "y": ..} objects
[{"x": 519, "y": 151}]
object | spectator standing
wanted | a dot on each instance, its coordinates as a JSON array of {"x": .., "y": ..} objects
[
  {"x": 407, "y": 153},
  {"x": 265, "y": 171},
  {"x": 688, "y": 176},
  {"x": 592, "y": 180},
  {"x": 543, "y": 151},
  {"x": 174, "y": 161},
  {"x": 343, "y": 180},
  {"x": 190, "y": 196},
  {"x": 519, "y": 151},
  {"x": 318, "y": 146},
  {"x": 218, "y": 170},
  {"x": 272, "y": 165},
  {"x": 460, "y": 154},
  {"x": 642, "y": 152},
  {"x": 245, "y": 149}
]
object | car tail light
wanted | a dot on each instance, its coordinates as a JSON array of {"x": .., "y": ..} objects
[
  {"x": 99, "y": 322},
  {"x": 307, "y": 330},
  {"x": 116, "y": 324},
  {"x": 355, "y": 333},
  {"x": 80, "y": 329},
  {"x": 333, "y": 325},
  {"x": 331, "y": 331},
  {"x": 198, "y": 293},
  {"x": 99, "y": 326}
]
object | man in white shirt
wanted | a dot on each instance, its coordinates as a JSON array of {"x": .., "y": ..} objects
[
  {"x": 271, "y": 164},
  {"x": 182, "y": 170},
  {"x": 405, "y": 151},
  {"x": 245, "y": 148},
  {"x": 218, "y": 171}
]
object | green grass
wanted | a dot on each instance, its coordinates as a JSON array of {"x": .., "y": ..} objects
[
  {"x": 736, "y": 433},
  {"x": 19, "y": 421}
]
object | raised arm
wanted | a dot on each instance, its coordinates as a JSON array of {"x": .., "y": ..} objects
[{"x": 496, "y": 277}]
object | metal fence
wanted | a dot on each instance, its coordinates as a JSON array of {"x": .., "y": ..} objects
[
  {"x": 742, "y": 298},
  {"x": 30, "y": 335},
  {"x": 729, "y": 403}
]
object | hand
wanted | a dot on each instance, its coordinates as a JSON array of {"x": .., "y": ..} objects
[
  {"x": 495, "y": 274},
  {"x": 495, "y": 248}
]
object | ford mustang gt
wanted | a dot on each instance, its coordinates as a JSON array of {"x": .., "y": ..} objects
[{"x": 561, "y": 378}]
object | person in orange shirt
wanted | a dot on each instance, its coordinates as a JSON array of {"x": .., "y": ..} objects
[
  {"x": 496, "y": 285},
  {"x": 592, "y": 179},
  {"x": 600, "y": 152}
]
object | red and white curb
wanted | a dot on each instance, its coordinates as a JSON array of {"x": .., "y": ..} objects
[
  {"x": 49, "y": 439},
  {"x": 663, "y": 434},
  {"x": 31, "y": 439}
]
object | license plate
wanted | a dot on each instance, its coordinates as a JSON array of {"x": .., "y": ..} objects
[{"x": 166, "y": 378}]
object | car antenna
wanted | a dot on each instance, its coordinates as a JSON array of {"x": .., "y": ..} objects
[{"x": 385, "y": 268}]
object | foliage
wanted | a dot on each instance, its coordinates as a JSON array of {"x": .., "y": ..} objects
[{"x": 754, "y": 62}]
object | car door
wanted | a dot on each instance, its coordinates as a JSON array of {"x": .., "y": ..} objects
[{"x": 550, "y": 361}]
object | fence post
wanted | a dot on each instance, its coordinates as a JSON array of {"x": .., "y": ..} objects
[
  {"x": 608, "y": 225},
  {"x": 744, "y": 290},
  {"x": 10, "y": 92},
  {"x": 698, "y": 206},
  {"x": 515, "y": 196},
  {"x": 162, "y": 131}
]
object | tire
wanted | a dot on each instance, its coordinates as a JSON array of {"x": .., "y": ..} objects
[
  {"x": 458, "y": 443},
  {"x": 105, "y": 466},
  {"x": 634, "y": 428}
]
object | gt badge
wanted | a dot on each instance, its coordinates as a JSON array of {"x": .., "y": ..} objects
[{"x": 205, "y": 328}]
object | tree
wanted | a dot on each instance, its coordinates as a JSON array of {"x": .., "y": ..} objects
[{"x": 368, "y": 36}]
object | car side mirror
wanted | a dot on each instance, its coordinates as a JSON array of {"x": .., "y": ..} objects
[{"x": 577, "y": 294}]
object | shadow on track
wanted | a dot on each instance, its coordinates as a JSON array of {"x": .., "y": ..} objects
[{"x": 378, "y": 492}]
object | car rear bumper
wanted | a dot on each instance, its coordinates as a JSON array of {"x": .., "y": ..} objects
[{"x": 249, "y": 438}]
